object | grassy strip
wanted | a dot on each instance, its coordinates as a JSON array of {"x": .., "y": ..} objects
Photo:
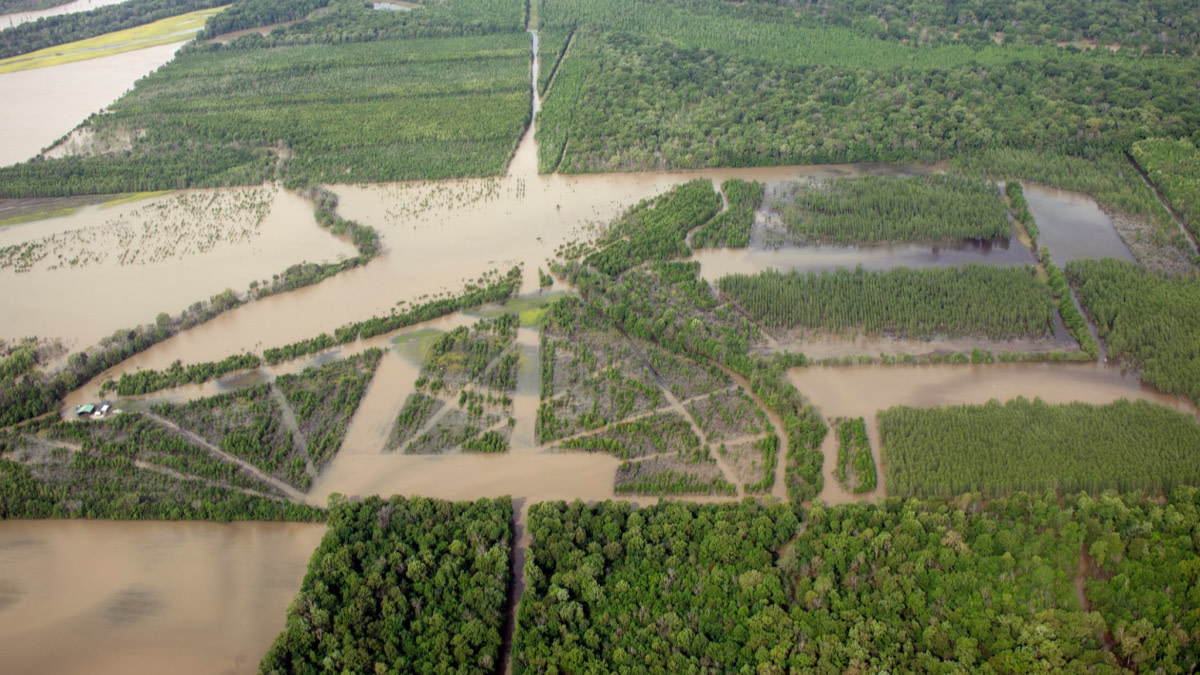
[
  {"x": 40, "y": 215},
  {"x": 162, "y": 32},
  {"x": 30, "y": 210},
  {"x": 134, "y": 197}
]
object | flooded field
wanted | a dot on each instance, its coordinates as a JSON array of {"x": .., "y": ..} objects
[
  {"x": 54, "y": 100},
  {"x": 1073, "y": 226},
  {"x": 717, "y": 263},
  {"x": 820, "y": 347},
  {"x": 862, "y": 391},
  {"x": 18, "y": 18},
  {"x": 105, "y": 268},
  {"x": 102, "y": 597}
]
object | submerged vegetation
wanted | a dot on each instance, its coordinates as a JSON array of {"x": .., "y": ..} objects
[
  {"x": 324, "y": 399},
  {"x": 1023, "y": 445},
  {"x": 246, "y": 423},
  {"x": 669, "y": 311},
  {"x": 491, "y": 287},
  {"x": 290, "y": 428},
  {"x": 33, "y": 392},
  {"x": 962, "y": 570},
  {"x": 150, "y": 380},
  {"x": 128, "y": 468},
  {"x": 463, "y": 396}
]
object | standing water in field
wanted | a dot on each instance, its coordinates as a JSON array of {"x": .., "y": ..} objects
[
  {"x": 43, "y": 104},
  {"x": 862, "y": 391},
  {"x": 1073, "y": 226},
  {"x": 18, "y": 18},
  {"x": 80, "y": 277},
  {"x": 100, "y": 597},
  {"x": 717, "y": 263}
]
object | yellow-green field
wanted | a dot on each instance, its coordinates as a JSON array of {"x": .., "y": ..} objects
[
  {"x": 17, "y": 211},
  {"x": 134, "y": 197},
  {"x": 166, "y": 31}
]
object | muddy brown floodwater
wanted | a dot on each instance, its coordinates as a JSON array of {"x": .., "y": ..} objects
[
  {"x": 862, "y": 391},
  {"x": 1073, "y": 226},
  {"x": 102, "y": 597},
  {"x": 717, "y": 263},
  {"x": 43, "y": 104},
  {"x": 94, "y": 597},
  {"x": 165, "y": 270},
  {"x": 18, "y": 18}
]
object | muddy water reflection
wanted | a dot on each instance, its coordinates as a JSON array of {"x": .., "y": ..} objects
[
  {"x": 717, "y": 263},
  {"x": 1073, "y": 226},
  {"x": 42, "y": 105},
  {"x": 103, "y": 597},
  {"x": 863, "y": 390}
]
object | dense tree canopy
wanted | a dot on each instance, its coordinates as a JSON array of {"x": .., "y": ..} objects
[
  {"x": 403, "y": 585},
  {"x": 901, "y": 586}
]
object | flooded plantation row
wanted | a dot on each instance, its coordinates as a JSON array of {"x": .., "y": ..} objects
[
  {"x": 863, "y": 391},
  {"x": 478, "y": 225},
  {"x": 537, "y": 471},
  {"x": 112, "y": 597}
]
